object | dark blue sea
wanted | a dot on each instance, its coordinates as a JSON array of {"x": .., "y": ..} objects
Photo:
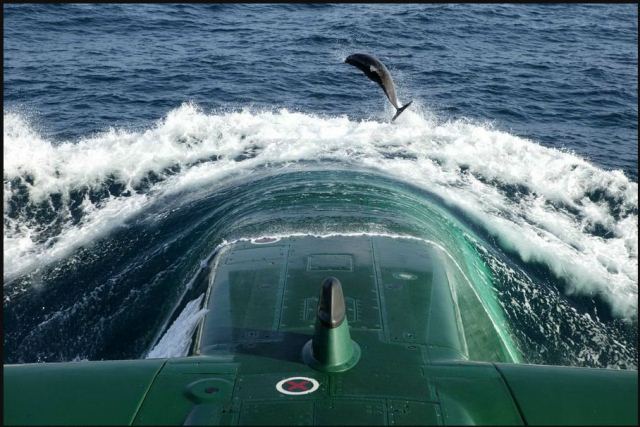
[{"x": 138, "y": 138}]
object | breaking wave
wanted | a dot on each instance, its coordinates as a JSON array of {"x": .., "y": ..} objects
[{"x": 549, "y": 207}]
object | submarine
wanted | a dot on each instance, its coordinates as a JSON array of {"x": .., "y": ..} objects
[{"x": 336, "y": 330}]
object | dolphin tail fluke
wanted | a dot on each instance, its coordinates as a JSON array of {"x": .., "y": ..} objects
[{"x": 401, "y": 109}]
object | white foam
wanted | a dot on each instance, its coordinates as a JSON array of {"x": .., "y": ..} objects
[
  {"x": 22, "y": 253},
  {"x": 469, "y": 165},
  {"x": 177, "y": 340}
]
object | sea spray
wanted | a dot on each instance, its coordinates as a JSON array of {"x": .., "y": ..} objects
[
  {"x": 177, "y": 339},
  {"x": 546, "y": 205}
]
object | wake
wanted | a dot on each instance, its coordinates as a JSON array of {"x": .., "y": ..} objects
[{"x": 546, "y": 205}]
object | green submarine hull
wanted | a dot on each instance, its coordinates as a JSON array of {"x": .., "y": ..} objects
[{"x": 338, "y": 330}]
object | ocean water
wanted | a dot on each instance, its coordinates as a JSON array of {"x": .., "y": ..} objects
[{"x": 138, "y": 138}]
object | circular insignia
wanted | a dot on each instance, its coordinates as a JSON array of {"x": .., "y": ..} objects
[
  {"x": 295, "y": 386},
  {"x": 405, "y": 276},
  {"x": 264, "y": 240}
]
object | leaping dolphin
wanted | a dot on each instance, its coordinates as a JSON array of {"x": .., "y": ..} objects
[{"x": 376, "y": 71}]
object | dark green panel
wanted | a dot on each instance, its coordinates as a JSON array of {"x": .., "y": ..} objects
[
  {"x": 311, "y": 260},
  {"x": 339, "y": 412},
  {"x": 401, "y": 297},
  {"x": 413, "y": 280},
  {"x": 175, "y": 398},
  {"x": 473, "y": 393},
  {"x": 282, "y": 355},
  {"x": 330, "y": 262},
  {"x": 408, "y": 412},
  {"x": 296, "y": 413},
  {"x": 407, "y": 382},
  {"x": 245, "y": 298},
  {"x": 254, "y": 297},
  {"x": 405, "y": 287},
  {"x": 217, "y": 364},
  {"x": 563, "y": 395},
  {"x": 387, "y": 358},
  {"x": 84, "y": 393}
]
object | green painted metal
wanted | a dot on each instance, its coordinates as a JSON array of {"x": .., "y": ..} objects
[
  {"x": 331, "y": 350},
  {"x": 190, "y": 391},
  {"x": 429, "y": 353},
  {"x": 552, "y": 395},
  {"x": 473, "y": 393},
  {"x": 89, "y": 393}
]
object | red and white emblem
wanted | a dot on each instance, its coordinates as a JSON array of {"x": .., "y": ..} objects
[{"x": 295, "y": 386}]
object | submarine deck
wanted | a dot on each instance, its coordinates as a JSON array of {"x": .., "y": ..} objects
[{"x": 414, "y": 317}]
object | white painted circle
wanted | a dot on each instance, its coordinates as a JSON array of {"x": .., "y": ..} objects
[
  {"x": 265, "y": 240},
  {"x": 405, "y": 276},
  {"x": 314, "y": 386}
]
